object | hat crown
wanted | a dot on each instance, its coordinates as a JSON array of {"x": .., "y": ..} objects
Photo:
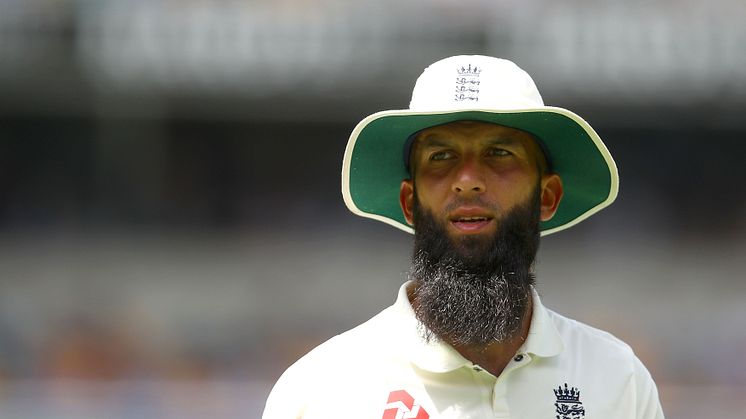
[{"x": 474, "y": 82}]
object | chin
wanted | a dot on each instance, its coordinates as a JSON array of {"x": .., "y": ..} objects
[{"x": 473, "y": 245}]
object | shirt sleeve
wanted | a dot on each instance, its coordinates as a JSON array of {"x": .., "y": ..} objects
[
  {"x": 648, "y": 403},
  {"x": 287, "y": 399}
]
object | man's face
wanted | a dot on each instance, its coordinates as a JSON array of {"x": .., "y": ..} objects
[
  {"x": 476, "y": 200},
  {"x": 469, "y": 174}
]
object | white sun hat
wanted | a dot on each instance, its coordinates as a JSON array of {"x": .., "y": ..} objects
[{"x": 476, "y": 88}]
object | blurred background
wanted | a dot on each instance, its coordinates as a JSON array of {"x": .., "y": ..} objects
[{"x": 172, "y": 233}]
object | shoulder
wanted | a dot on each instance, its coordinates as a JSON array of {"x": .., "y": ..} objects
[
  {"x": 580, "y": 336},
  {"x": 599, "y": 356},
  {"x": 351, "y": 343},
  {"x": 329, "y": 364},
  {"x": 593, "y": 351},
  {"x": 358, "y": 341}
]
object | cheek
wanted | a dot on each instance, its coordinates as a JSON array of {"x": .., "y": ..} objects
[
  {"x": 510, "y": 168},
  {"x": 430, "y": 192},
  {"x": 428, "y": 199},
  {"x": 511, "y": 183}
]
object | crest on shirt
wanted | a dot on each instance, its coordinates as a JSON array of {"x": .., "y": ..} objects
[
  {"x": 401, "y": 405},
  {"x": 568, "y": 403}
]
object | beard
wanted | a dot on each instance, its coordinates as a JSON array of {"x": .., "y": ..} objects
[{"x": 474, "y": 290}]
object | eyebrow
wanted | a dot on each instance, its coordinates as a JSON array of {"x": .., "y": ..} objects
[
  {"x": 504, "y": 141},
  {"x": 433, "y": 141}
]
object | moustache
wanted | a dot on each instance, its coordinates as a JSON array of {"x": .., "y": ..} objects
[{"x": 478, "y": 201}]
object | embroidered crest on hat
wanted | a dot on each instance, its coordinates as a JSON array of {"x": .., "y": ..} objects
[
  {"x": 568, "y": 403},
  {"x": 467, "y": 83}
]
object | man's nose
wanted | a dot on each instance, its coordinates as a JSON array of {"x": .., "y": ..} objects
[{"x": 469, "y": 178}]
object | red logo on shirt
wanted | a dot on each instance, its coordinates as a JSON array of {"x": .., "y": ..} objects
[{"x": 402, "y": 406}]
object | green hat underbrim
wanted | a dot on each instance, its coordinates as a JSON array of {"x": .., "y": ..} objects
[{"x": 373, "y": 165}]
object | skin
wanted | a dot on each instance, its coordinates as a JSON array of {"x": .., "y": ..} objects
[{"x": 468, "y": 174}]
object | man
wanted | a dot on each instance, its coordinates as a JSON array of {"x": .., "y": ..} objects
[{"x": 478, "y": 168}]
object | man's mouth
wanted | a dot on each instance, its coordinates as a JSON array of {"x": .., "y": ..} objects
[{"x": 471, "y": 224}]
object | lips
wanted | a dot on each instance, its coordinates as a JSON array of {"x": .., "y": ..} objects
[{"x": 469, "y": 221}]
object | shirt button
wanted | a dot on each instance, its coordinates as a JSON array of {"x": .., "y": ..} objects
[{"x": 518, "y": 358}]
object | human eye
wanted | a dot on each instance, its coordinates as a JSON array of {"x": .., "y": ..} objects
[
  {"x": 441, "y": 155},
  {"x": 498, "y": 152}
]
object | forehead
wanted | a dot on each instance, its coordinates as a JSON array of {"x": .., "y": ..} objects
[{"x": 463, "y": 133}]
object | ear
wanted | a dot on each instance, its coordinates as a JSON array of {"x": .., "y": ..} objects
[
  {"x": 551, "y": 194},
  {"x": 406, "y": 200}
]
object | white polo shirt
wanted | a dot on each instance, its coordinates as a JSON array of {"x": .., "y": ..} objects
[{"x": 383, "y": 369}]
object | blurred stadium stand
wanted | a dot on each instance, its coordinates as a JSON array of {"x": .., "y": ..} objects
[{"x": 172, "y": 230}]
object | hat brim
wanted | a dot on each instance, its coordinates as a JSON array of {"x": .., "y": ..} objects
[{"x": 373, "y": 167}]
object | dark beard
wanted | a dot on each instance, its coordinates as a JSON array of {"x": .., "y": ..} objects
[{"x": 475, "y": 291}]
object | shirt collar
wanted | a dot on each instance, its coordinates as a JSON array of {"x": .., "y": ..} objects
[
  {"x": 437, "y": 356},
  {"x": 543, "y": 338}
]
